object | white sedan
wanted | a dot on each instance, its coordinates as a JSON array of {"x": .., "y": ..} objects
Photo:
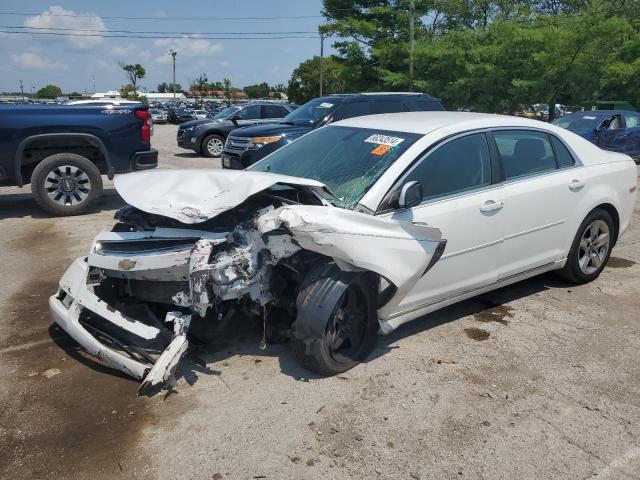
[{"x": 347, "y": 232}]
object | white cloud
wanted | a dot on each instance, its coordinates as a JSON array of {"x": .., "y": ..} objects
[
  {"x": 33, "y": 61},
  {"x": 225, "y": 63},
  {"x": 123, "y": 50},
  {"x": 51, "y": 19},
  {"x": 188, "y": 47}
]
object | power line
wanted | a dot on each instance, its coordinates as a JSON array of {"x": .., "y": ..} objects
[
  {"x": 210, "y": 19},
  {"x": 159, "y": 37},
  {"x": 153, "y": 32}
]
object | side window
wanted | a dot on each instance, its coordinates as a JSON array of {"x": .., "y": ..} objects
[
  {"x": 563, "y": 156},
  {"x": 613, "y": 122},
  {"x": 459, "y": 165},
  {"x": 632, "y": 120},
  {"x": 252, "y": 112},
  {"x": 388, "y": 106},
  {"x": 426, "y": 106},
  {"x": 274, "y": 111},
  {"x": 352, "y": 109},
  {"x": 524, "y": 152}
]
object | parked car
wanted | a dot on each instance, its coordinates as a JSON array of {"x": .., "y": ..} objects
[
  {"x": 62, "y": 150},
  {"x": 207, "y": 137},
  {"x": 158, "y": 116},
  {"x": 352, "y": 229},
  {"x": 245, "y": 146},
  {"x": 614, "y": 130},
  {"x": 200, "y": 114},
  {"x": 180, "y": 115}
]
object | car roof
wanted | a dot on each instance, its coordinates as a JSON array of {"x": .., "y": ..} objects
[{"x": 426, "y": 122}]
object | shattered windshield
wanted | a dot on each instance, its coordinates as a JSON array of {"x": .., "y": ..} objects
[
  {"x": 312, "y": 112},
  {"x": 348, "y": 160}
]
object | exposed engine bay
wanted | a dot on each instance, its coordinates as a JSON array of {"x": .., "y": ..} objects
[{"x": 169, "y": 272}]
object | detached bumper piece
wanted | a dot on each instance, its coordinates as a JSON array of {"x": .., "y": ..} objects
[{"x": 142, "y": 350}]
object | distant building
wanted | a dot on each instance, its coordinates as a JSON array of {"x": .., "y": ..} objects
[{"x": 151, "y": 96}]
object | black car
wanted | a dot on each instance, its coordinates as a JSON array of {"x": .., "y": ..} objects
[
  {"x": 207, "y": 136},
  {"x": 180, "y": 115},
  {"x": 245, "y": 146}
]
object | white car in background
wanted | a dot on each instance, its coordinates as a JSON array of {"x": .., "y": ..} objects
[
  {"x": 351, "y": 230},
  {"x": 200, "y": 114}
]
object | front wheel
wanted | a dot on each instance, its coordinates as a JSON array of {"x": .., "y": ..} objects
[
  {"x": 66, "y": 184},
  {"x": 591, "y": 248},
  {"x": 345, "y": 334},
  {"x": 212, "y": 146}
]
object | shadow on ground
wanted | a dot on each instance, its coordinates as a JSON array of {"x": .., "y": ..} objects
[{"x": 21, "y": 205}]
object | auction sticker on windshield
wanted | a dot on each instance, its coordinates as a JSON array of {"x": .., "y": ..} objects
[
  {"x": 325, "y": 105},
  {"x": 384, "y": 140}
]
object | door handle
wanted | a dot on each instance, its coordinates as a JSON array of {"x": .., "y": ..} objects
[
  {"x": 491, "y": 206},
  {"x": 576, "y": 185}
]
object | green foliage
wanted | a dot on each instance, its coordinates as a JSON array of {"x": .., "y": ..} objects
[
  {"x": 305, "y": 80},
  {"x": 257, "y": 91},
  {"x": 165, "y": 87},
  {"x": 129, "y": 92},
  {"x": 483, "y": 55},
  {"x": 134, "y": 73},
  {"x": 49, "y": 91}
]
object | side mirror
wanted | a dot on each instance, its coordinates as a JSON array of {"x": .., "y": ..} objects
[
  {"x": 234, "y": 118},
  {"x": 410, "y": 195},
  {"x": 599, "y": 130}
]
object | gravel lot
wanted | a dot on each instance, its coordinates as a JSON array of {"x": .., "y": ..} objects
[{"x": 537, "y": 380}]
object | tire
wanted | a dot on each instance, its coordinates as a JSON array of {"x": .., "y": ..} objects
[
  {"x": 66, "y": 184},
  {"x": 212, "y": 146},
  {"x": 589, "y": 255},
  {"x": 326, "y": 352}
]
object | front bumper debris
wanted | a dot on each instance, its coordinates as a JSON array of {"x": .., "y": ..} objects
[{"x": 74, "y": 298}]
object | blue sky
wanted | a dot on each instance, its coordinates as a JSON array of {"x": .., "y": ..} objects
[{"x": 72, "y": 62}]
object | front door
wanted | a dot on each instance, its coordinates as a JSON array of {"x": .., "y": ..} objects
[{"x": 461, "y": 199}]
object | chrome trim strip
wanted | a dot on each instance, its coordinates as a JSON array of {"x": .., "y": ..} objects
[{"x": 519, "y": 234}]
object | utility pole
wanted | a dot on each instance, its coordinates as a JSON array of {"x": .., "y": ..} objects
[
  {"x": 412, "y": 11},
  {"x": 22, "y": 91},
  {"x": 321, "y": 60},
  {"x": 173, "y": 54}
]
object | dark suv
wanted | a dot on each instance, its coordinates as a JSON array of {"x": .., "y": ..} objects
[
  {"x": 245, "y": 146},
  {"x": 207, "y": 136}
]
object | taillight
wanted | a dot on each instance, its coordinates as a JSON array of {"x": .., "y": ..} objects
[{"x": 145, "y": 130}]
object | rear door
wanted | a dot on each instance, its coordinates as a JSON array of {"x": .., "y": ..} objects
[
  {"x": 542, "y": 189},
  {"x": 273, "y": 113},
  {"x": 249, "y": 115}
]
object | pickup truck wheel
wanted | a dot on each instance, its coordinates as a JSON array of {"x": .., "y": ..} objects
[
  {"x": 66, "y": 184},
  {"x": 212, "y": 146},
  {"x": 345, "y": 334}
]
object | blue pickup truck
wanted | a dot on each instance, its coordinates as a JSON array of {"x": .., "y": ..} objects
[{"x": 62, "y": 150}]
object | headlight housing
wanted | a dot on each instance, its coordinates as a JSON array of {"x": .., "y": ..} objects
[{"x": 259, "y": 142}]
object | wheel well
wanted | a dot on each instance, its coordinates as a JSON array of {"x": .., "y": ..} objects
[
  {"x": 38, "y": 149},
  {"x": 611, "y": 210}
]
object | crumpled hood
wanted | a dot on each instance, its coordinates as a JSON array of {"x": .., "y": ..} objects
[{"x": 195, "y": 196}]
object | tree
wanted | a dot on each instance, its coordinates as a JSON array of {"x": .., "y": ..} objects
[
  {"x": 228, "y": 89},
  {"x": 134, "y": 73},
  {"x": 130, "y": 93},
  {"x": 165, "y": 87},
  {"x": 200, "y": 85},
  {"x": 305, "y": 80},
  {"x": 49, "y": 91},
  {"x": 257, "y": 91}
]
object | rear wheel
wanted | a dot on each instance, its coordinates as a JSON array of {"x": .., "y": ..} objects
[
  {"x": 212, "y": 146},
  {"x": 345, "y": 336},
  {"x": 591, "y": 248},
  {"x": 66, "y": 184}
]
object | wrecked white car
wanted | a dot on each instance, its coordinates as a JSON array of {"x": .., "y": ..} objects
[{"x": 340, "y": 235}]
